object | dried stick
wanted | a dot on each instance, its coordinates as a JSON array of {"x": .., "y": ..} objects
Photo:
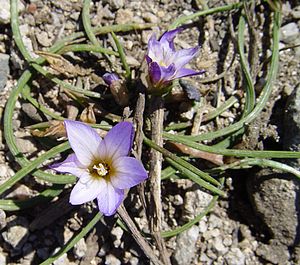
[
  {"x": 155, "y": 207},
  {"x": 139, "y": 123},
  {"x": 137, "y": 236}
]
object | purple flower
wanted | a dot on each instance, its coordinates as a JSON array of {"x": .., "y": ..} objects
[
  {"x": 102, "y": 166},
  {"x": 165, "y": 63},
  {"x": 109, "y": 78}
]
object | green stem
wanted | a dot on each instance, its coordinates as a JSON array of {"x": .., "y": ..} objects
[
  {"x": 181, "y": 20},
  {"x": 86, "y": 48},
  {"x": 32, "y": 165},
  {"x": 122, "y": 56},
  {"x": 232, "y": 152},
  {"x": 43, "y": 197}
]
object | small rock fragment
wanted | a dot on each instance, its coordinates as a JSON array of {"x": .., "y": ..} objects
[
  {"x": 289, "y": 32},
  {"x": 43, "y": 38},
  {"x": 5, "y": 10},
  {"x": 186, "y": 246},
  {"x": 80, "y": 248},
  {"x": 2, "y": 219},
  {"x": 235, "y": 257},
  {"x": 194, "y": 203},
  {"x": 114, "y": 4},
  {"x": 274, "y": 253},
  {"x": 118, "y": 233},
  {"x": 4, "y": 69},
  {"x": 112, "y": 260},
  {"x": 16, "y": 233},
  {"x": 296, "y": 12},
  {"x": 124, "y": 16}
]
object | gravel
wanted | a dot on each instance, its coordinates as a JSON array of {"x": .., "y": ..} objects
[{"x": 226, "y": 235}]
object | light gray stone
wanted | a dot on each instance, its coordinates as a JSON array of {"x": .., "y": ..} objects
[
  {"x": 2, "y": 219},
  {"x": 114, "y": 4},
  {"x": 4, "y": 69},
  {"x": 296, "y": 12},
  {"x": 219, "y": 247},
  {"x": 5, "y": 10},
  {"x": 291, "y": 137},
  {"x": 118, "y": 233},
  {"x": 289, "y": 32},
  {"x": 43, "y": 38},
  {"x": 186, "y": 246},
  {"x": 270, "y": 193},
  {"x": 17, "y": 233},
  {"x": 274, "y": 253},
  {"x": 80, "y": 248},
  {"x": 2, "y": 259},
  {"x": 235, "y": 257},
  {"x": 112, "y": 260},
  {"x": 194, "y": 203}
]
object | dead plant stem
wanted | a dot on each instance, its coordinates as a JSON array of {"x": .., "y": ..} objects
[{"x": 155, "y": 208}]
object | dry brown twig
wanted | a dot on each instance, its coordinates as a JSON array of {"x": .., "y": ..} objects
[
  {"x": 155, "y": 207},
  {"x": 137, "y": 236}
]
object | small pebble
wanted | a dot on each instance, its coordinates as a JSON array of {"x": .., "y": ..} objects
[
  {"x": 80, "y": 248},
  {"x": 289, "y": 32}
]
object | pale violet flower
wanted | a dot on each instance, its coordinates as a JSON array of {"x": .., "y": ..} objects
[
  {"x": 103, "y": 166},
  {"x": 165, "y": 63}
]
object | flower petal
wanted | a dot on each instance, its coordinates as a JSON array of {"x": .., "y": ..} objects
[
  {"x": 154, "y": 49},
  {"x": 187, "y": 72},
  {"x": 70, "y": 165},
  {"x": 168, "y": 73},
  {"x": 167, "y": 39},
  {"x": 110, "y": 199},
  {"x": 155, "y": 73},
  {"x": 84, "y": 141},
  {"x": 129, "y": 172},
  {"x": 148, "y": 59},
  {"x": 87, "y": 191},
  {"x": 117, "y": 142},
  {"x": 182, "y": 57}
]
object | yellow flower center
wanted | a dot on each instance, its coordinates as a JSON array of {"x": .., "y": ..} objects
[{"x": 101, "y": 169}]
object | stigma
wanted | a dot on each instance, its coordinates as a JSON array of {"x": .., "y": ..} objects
[{"x": 101, "y": 169}]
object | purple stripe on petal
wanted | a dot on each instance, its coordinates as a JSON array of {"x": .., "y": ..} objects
[
  {"x": 117, "y": 142},
  {"x": 70, "y": 165},
  {"x": 154, "y": 73},
  {"x": 187, "y": 72},
  {"x": 84, "y": 141},
  {"x": 88, "y": 191},
  {"x": 110, "y": 199},
  {"x": 168, "y": 73},
  {"x": 129, "y": 172}
]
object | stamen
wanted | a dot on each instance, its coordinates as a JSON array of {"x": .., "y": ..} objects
[{"x": 101, "y": 169}]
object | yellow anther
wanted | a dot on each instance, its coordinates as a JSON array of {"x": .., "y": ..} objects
[{"x": 101, "y": 169}]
